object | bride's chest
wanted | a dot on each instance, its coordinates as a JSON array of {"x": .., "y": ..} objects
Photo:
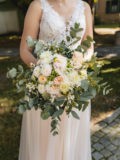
[{"x": 53, "y": 26}]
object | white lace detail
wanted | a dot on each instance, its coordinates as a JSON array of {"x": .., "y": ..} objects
[{"x": 53, "y": 26}]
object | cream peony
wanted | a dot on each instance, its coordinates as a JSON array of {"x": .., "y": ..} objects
[
  {"x": 77, "y": 59},
  {"x": 74, "y": 78},
  {"x": 60, "y": 63},
  {"x": 41, "y": 88},
  {"x": 53, "y": 90},
  {"x": 46, "y": 70},
  {"x": 64, "y": 87},
  {"x": 36, "y": 71},
  {"x": 46, "y": 57}
]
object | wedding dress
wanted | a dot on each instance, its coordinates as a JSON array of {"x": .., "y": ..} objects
[{"x": 73, "y": 140}]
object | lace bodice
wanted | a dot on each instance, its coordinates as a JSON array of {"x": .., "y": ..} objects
[{"x": 53, "y": 26}]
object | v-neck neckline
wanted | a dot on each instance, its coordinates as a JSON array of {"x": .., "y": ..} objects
[{"x": 66, "y": 21}]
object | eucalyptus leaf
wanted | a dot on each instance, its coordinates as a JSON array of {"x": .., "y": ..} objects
[
  {"x": 20, "y": 68},
  {"x": 92, "y": 91},
  {"x": 59, "y": 101},
  {"x": 31, "y": 102},
  {"x": 55, "y": 133},
  {"x": 85, "y": 84},
  {"x": 85, "y": 105},
  {"x": 21, "y": 82},
  {"x": 39, "y": 47},
  {"x": 75, "y": 115},
  {"x": 58, "y": 113},
  {"x": 20, "y": 89},
  {"x": 45, "y": 115},
  {"x": 12, "y": 73},
  {"x": 21, "y": 109},
  {"x": 30, "y": 42}
]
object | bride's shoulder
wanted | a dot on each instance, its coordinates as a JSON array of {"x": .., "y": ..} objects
[
  {"x": 87, "y": 7},
  {"x": 35, "y": 5},
  {"x": 34, "y": 8}
]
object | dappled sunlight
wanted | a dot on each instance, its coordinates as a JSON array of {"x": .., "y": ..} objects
[
  {"x": 14, "y": 37},
  {"x": 6, "y": 104},
  {"x": 4, "y": 57}
]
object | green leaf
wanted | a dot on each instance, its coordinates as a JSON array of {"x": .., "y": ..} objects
[
  {"x": 85, "y": 105},
  {"x": 58, "y": 113},
  {"x": 21, "y": 82},
  {"x": 85, "y": 96},
  {"x": 12, "y": 73},
  {"x": 20, "y": 68},
  {"x": 30, "y": 42},
  {"x": 68, "y": 38},
  {"x": 54, "y": 122},
  {"x": 59, "y": 101},
  {"x": 45, "y": 115},
  {"x": 76, "y": 25},
  {"x": 31, "y": 102},
  {"x": 85, "y": 84},
  {"x": 39, "y": 47},
  {"x": 75, "y": 115},
  {"x": 92, "y": 91},
  {"x": 49, "y": 108},
  {"x": 21, "y": 109},
  {"x": 86, "y": 43},
  {"x": 72, "y": 34},
  {"x": 55, "y": 133},
  {"x": 90, "y": 38}
]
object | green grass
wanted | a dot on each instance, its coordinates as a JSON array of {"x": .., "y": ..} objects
[
  {"x": 111, "y": 74},
  {"x": 10, "y": 121},
  {"x": 107, "y": 25}
]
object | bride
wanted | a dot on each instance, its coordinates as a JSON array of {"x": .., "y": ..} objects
[{"x": 50, "y": 20}]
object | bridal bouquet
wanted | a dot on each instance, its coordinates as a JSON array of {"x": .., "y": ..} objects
[{"x": 61, "y": 81}]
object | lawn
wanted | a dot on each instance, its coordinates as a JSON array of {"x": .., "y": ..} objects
[{"x": 114, "y": 25}]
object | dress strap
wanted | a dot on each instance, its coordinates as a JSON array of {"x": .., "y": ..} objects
[
  {"x": 81, "y": 6},
  {"x": 44, "y": 5}
]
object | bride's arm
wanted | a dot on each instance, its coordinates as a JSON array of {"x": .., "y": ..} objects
[
  {"x": 31, "y": 28},
  {"x": 89, "y": 29}
]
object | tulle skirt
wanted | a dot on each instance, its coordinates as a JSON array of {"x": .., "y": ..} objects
[{"x": 72, "y": 142}]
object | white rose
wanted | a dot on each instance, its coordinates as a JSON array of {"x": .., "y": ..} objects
[
  {"x": 74, "y": 78},
  {"x": 36, "y": 71},
  {"x": 77, "y": 59},
  {"x": 46, "y": 57},
  {"x": 41, "y": 88},
  {"x": 46, "y": 70},
  {"x": 53, "y": 90},
  {"x": 60, "y": 63},
  {"x": 64, "y": 87}
]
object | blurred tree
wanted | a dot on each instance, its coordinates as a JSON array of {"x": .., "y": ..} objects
[{"x": 22, "y": 4}]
